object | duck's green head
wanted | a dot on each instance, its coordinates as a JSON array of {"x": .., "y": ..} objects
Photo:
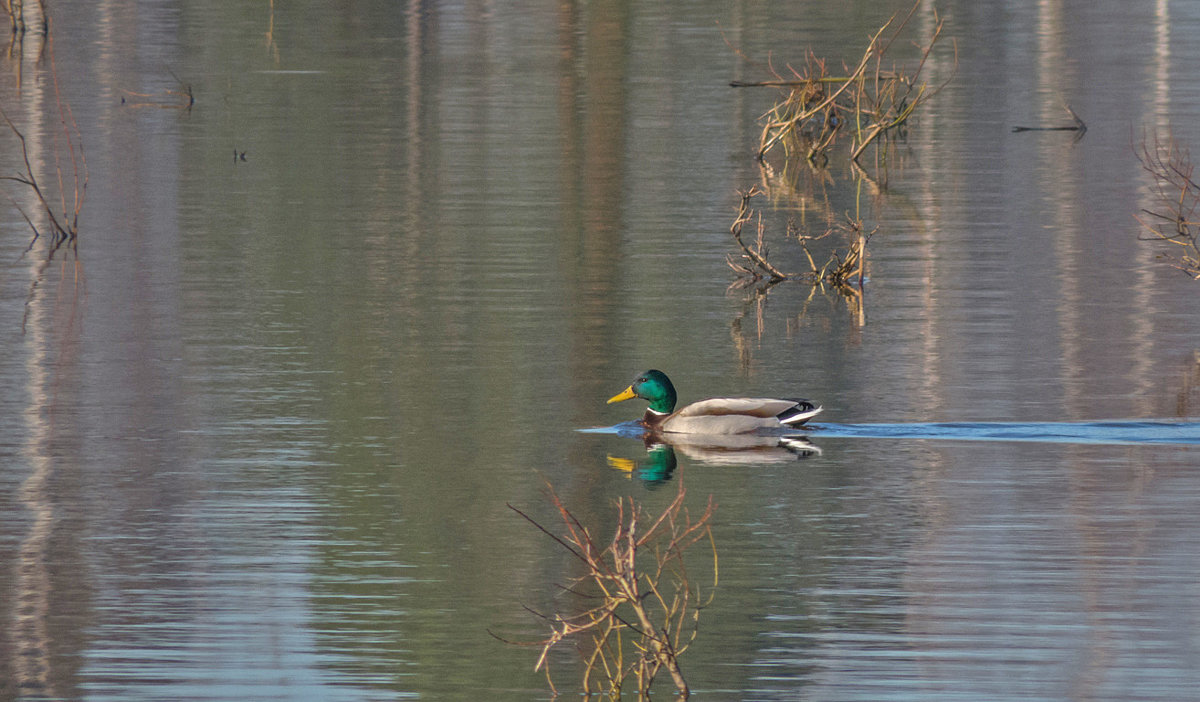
[{"x": 652, "y": 385}]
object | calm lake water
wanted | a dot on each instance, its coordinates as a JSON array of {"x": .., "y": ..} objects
[{"x": 260, "y": 440}]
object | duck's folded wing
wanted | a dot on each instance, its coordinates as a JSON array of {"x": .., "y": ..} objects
[{"x": 744, "y": 406}]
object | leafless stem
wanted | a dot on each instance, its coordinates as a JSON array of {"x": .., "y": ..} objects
[{"x": 63, "y": 220}]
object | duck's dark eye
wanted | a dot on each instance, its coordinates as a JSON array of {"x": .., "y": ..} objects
[{"x": 642, "y": 379}]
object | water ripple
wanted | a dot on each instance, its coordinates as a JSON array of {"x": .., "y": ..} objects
[{"x": 1141, "y": 431}]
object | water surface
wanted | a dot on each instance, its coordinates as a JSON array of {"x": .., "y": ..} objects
[{"x": 260, "y": 443}]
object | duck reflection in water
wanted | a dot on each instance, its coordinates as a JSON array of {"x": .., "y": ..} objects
[{"x": 659, "y": 464}]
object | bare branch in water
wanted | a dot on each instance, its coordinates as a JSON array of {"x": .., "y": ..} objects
[
  {"x": 843, "y": 268},
  {"x": 644, "y": 609},
  {"x": 1173, "y": 217},
  {"x": 63, "y": 220},
  {"x": 875, "y": 101}
]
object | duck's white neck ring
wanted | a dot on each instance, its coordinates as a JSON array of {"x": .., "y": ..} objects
[{"x": 656, "y": 413}]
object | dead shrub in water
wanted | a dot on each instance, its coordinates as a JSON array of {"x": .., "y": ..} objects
[
  {"x": 870, "y": 101},
  {"x": 1172, "y": 220},
  {"x": 844, "y": 267},
  {"x": 844, "y": 270},
  {"x": 641, "y": 610}
]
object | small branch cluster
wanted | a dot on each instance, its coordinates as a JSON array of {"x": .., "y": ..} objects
[
  {"x": 817, "y": 107},
  {"x": 642, "y": 609},
  {"x": 753, "y": 263},
  {"x": 842, "y": 268},
  {"x": 1172, "y": 220}
]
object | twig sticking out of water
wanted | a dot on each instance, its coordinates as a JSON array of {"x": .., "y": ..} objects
[
  {"x": 179, "y": 99},
  {"x": 64, "y": 228},
  {"x": 641, "y": 609},
  {"x": 63, "y": 221},
  {"x": 1079, "y": 126},
  {"x": 1172, "y": 220}
]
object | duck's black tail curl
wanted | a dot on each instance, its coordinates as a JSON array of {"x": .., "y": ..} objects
[{"x": 803, "y": 411}]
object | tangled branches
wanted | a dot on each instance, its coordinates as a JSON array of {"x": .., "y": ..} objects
[
  {"x": 642, "y": 608},
  {"x": 842, "y": 268},
  {"x": 817, "y": 107},
  {"x": 1177, "y": 199}
]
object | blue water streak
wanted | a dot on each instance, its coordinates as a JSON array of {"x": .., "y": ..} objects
[{"x": 1122, "y": 431}]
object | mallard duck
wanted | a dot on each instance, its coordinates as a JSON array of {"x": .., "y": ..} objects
[{"x": 720, "y": 415}]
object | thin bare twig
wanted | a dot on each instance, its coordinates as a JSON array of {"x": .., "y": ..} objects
[{"x": 63, "y": 220}]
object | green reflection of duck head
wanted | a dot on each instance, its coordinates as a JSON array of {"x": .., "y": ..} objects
[{"x": 657, "y": 467}]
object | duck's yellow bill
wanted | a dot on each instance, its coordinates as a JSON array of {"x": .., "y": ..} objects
[{"x": 626, "y": 394}]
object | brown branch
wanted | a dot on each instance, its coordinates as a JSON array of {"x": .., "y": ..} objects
[
  {"x": 636, "y": 602},
  {"x": 1177, "y": 196},
  {"x": 745, "y": 214}
]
